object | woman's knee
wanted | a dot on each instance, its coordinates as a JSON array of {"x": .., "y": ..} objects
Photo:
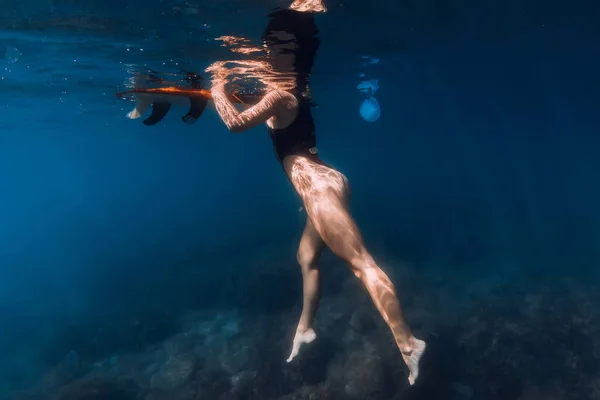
[
  {"x": 307, "y": 256},
  {"x": 362, "y": 265}
]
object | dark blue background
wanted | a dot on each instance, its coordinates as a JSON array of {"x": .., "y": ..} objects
[{"x": 485, "y": 159}]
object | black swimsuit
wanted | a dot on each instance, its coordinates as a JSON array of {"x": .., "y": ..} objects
[{"x": 297, "y": 139}]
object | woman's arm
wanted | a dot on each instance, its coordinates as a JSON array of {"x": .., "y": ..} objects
[{"x": 237, "y": 121}]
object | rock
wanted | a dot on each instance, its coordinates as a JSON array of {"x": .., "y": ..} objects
[
  {"x": 319, "y": 392},
  {"x": 242, "y": 381},
  {"x": 178, "y": 344},
  {"x": 101, "y": 387},
  {"x": 212, "y": 384},
  {"x": 107, "y": 363},
  {"x": 362, "y": 321},
  {"x": 461, "y": 392},
  {"x": 238, "y": 356},
  {"x": 185, "y": 393},
  {"x": 175, "y": 372},
  {"x": 230, "y": 328},
  {"x": 363, "y": 375},
  {"x": 71, "y": 363},
  {"x": 66, "y": 371},
  {"x": 225, "y": 323},
  {"x": 139, "y": 367}
]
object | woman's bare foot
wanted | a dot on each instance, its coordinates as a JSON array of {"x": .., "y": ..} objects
[
  {"x": 302, "y": 336},
  {"x": 412, "y": 358}
]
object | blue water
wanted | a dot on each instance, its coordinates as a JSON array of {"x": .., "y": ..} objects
[{"x": 477, "y": 187}]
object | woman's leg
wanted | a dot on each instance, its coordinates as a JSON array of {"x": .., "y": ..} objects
[
  {"x": 309, "y": 251},
  {"x": 324, "y": 192}
]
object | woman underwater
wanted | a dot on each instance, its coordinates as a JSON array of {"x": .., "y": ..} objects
[{"x": 290, "y": 41}]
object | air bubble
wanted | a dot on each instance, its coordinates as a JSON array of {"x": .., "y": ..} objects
[{"x": 12, "y": 55}]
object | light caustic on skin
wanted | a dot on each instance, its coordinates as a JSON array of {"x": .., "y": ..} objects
[{"x": 315, "y": 6}]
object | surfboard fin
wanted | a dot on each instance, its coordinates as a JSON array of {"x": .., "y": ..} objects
[
  {"x": 159, "y": 110},
  {"x": 197, "y": 107}
]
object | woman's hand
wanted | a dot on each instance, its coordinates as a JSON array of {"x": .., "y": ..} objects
[
  {"x": 219, "y": 76},
  {"x": 311, "y": 6}
]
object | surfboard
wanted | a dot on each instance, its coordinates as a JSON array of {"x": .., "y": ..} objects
[{"x": 161, "y": 100}]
